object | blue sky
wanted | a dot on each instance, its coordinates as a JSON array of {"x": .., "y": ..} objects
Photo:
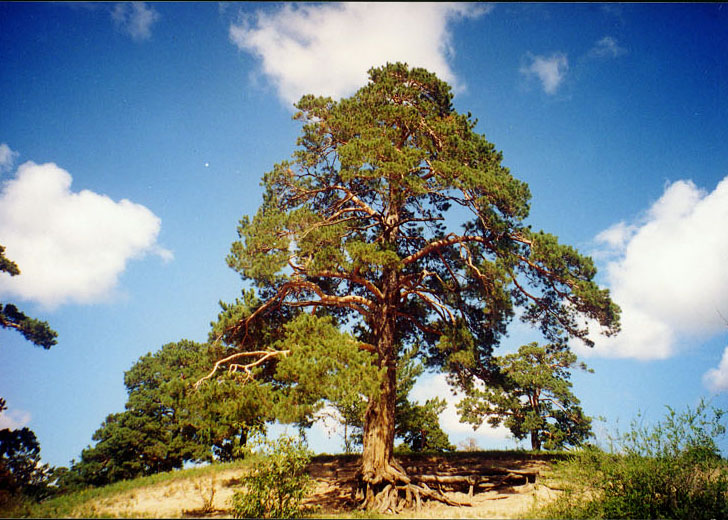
[{"x": 133, "y": 138}]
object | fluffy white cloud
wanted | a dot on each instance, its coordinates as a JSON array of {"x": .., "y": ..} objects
[
  {"x": 550, "y": 71},
  {"x": 429, "y": 387},
  {"x": 716, "y": 379},
  {"x": 326, "y": 49},
  {"x": 7, "y": 158},
  {"x": 69, "y": 246},
  {"x": 607, "y": 47},
  {"x": 135, "y": 19},
  {"x": 668, "y": 272}
]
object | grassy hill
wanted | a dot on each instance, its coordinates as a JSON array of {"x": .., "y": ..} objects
[{"x": 206, "y": 491}]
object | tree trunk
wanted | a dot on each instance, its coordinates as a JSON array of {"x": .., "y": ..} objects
[
  {"x": 379, "y": 472},
  {"x": 535, "y": 440},
  {"x": 378, "y": 441}
]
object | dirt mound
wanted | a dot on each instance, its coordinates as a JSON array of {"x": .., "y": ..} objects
[{"x": 494, "y": 486}]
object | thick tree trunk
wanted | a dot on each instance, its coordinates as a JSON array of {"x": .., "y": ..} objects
[
  {"x": 378, "y": 441},
  {"x": 380, "y": 474}
]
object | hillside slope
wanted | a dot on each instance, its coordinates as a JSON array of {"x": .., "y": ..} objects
[{"x": 504, "y": 485}]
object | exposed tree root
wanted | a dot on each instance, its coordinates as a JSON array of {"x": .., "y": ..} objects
[
  {"x": 394, "y": 490},
  {"x": 394, "y": 498}
]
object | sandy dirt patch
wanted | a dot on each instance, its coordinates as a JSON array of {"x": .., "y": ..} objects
[{"x": 334, "y": 480}]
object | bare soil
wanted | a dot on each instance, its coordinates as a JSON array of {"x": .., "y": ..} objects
[{"x": 503, "y": 486}]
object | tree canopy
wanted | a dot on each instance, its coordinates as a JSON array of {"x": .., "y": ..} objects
[
  {"x": 166, "y": 423},
  {"x": 533, "y": 397},
  {"x": 21, "y": 470},
  {"x": 398, "y": 221}
]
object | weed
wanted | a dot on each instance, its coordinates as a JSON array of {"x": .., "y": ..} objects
[
  {"x": 277, "y": 486},
  {"x": 670, "y": 470}
]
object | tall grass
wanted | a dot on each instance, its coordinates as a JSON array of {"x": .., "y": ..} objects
[{"x": 670, "y": 470}]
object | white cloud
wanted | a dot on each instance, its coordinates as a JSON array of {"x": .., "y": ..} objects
[
  {"x": 7, "y": 158},
  {"x": 550, "y": 71},
  {"x": 69, "y": 246},
  {"x": 716, "y": 379},
  {"x": 326, "y": 49},
  {"x": 431, "y": 386},
  {"x": 14, "y": 419},
  {"x": 607, "y": 47},
  {"x": 135, "y": 19},
  {"x": 668, "y": 272}
]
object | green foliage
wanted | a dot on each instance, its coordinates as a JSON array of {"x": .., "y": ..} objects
[
  {"x": 418, "y": 425},
  {"x": 22, "y": 476},
  {"x": 37, "y": 332},
  {"x": 324, "y": 364},
  {"x": 278, "y": 485},
  {"x": 357, "y": 226},
  {"x": 669, "y": 470},
  {"x": 167, "y": 422},
  {"x": 533, "y": 398}
]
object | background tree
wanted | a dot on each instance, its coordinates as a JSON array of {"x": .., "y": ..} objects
[
  {"x": 469, "y": 444},
  {"x": 354, "y": 226},
  {"x": 21, "y": 470},
  {"x": 166, "y": 423},
  {"x": 533, "y": 398},
  {"x": 418, "y": 425},
  {"x": 37, "y": 332}
]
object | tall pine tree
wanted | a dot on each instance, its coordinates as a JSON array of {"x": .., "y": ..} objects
[{"x": 398, "y": 220}]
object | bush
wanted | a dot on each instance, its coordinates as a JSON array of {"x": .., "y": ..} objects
[
  {"x": 277, "y": 486},
  {"x": 670, "y": 470}
]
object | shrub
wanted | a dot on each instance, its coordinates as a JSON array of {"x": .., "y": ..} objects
[
  {"x": 277, "y": 486},
  {"x": 670, "y": 470}
]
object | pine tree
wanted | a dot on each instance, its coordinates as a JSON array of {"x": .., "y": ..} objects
[
  {"x": 399, "y": 222},
  {"x": 37, "y": 332},
  {"x": 533, "y": 398}
]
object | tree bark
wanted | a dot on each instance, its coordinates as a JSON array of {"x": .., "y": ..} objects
[
  {"x": 535, "y": 440},
  {"x": 380, "y": 474}
]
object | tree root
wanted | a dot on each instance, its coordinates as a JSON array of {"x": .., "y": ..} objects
[
  {"x": 397, "y": 497},
  {"x": 402, "y": 492}
]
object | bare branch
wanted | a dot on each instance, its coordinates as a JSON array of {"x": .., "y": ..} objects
[{"x": 265, "y": 355}]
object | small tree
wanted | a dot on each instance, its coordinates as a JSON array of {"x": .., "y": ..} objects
[
  {"x": 469, "y": 444},
  {"x": 21, "y": 471},
  {"x": 167, "y": 422},
  {"x": 277, "y": 486},
  {"x": 533, "y": 398}
]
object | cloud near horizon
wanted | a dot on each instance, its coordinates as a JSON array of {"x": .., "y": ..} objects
[
  {"x": 327, "y": 49},
  {"x": 70, "y": 247},
  {"x": 667, "y": 271},
  {"x": 431, "y": 386}
]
